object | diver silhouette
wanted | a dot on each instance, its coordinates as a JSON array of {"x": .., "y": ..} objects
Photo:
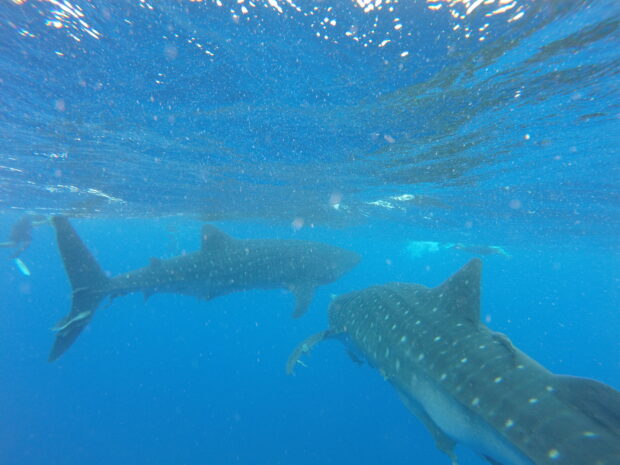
[{"x": 21, "y": 234}]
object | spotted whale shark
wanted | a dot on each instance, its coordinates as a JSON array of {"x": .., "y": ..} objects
[
  {"x": 469, "y": 384},
  {"x": 221, "y": 266}
]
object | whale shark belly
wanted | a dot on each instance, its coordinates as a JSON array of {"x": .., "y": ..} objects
[{"x": 462, "y": 425}]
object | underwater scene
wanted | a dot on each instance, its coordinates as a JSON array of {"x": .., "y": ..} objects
[{"x": 336, "y": 232}]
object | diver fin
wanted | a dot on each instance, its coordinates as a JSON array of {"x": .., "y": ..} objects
[
  {"x": 303, "y": 297},
  {"x": 21, "y": 266},
  {"x": 305, "y": 346},
  {"x": 88, "y": 281}
]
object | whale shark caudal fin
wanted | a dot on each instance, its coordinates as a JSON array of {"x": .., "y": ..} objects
[
  {"x": 88, "y": 281},
  {"x": 304, "y": 347}
]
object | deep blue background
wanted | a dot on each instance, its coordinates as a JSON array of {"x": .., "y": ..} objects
[
  {"x": 176, "y": 380},
  {"x": 510, "y": 141}
]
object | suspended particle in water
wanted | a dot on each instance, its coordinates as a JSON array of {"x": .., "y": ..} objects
[
  {"x": 515, "y": 204},
  {"x": 297, "y": 224},
  {"x": 171, "y": 52}
]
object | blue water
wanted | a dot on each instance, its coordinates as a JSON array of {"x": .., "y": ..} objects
[{"x": 145, "y": 120}]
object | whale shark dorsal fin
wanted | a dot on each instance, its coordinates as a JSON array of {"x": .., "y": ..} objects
[
  {"x": 460, "y": 293},
  {"x": 213, "y": 239},
  {"x": 155, "y": 262}
]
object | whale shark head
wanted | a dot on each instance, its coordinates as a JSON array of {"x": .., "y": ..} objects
[{"x": 339, "y": 262}]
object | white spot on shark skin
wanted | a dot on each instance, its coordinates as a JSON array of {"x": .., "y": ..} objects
[
  {"x": 590, "y": 434},
  {"x": 421, "y": 357},
  {"x": 434, "y": 309},
  {"x": 387, "y": 317},
  {"x": 418, "y": 322},
  {"x": 441, "y": 296},
  {"x": 387, "y": 352},
  {"x": 553, "y": 454},
  {"x": 397, "y": 364},
  {"x": 550, "y": 389},
  {"x": 443, "y": 376},
  {"x": 403, "y": 339},
  {"x": 393, "y": 327},
  {"x": 437, "y": 339},
  {"x": 533, "y": 400},
  {"x": 498, "y": 380},
  {"x": 509, "y": 423},
  {"x": 464, "y": 360},
  {"x": 482, "y": 347},
  {"x": 475, "y": 402}
]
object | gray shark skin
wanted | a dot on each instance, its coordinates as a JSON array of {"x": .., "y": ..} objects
[
  {"x": 470, "y": 385},
  {"x": 223, "y": 265}
]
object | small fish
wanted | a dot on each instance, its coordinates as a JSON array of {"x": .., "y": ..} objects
[
  {"x": 22, "y": 266},
  {"x": 65, "y": 323}
]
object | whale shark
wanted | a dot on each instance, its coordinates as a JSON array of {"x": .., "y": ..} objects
[
  {"x": 468, "y": 384},
  {"x": 221, "y": 266}
]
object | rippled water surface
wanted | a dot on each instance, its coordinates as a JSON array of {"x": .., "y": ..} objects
[
  {"x": 434, "y": 113},
  {"x": 418, "y": 133}
]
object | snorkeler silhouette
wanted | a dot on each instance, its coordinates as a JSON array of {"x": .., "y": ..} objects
[
  {"x": 480, "y": 249},
  {"x": 21, "y": 234}
]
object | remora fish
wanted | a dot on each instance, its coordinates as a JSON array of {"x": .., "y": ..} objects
[
  {"x": 470, "y": 385},
  {"x": 223, "y": 265}
]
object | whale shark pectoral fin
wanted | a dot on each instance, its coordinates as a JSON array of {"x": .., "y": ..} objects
[
  {"x": 304, "y": 347},
  {"x": 491, "y": 460},
  {"x": 354, "y": 357},
  {"x": 442, "y": 441},
  {"x": 598, "y": 401},
  {"x": 303, "y": 296}
]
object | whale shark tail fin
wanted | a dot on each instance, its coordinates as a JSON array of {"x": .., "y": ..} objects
[{"x": 88, "y": 282}]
